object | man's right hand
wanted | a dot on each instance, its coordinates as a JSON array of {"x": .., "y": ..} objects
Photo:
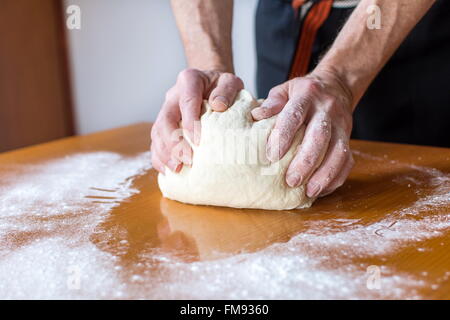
[{"x": 182, "y": 106}]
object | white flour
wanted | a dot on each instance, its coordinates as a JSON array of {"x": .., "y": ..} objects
[
  {"x": 30, "y": 206},
  {"x": 49, "y": 213}
]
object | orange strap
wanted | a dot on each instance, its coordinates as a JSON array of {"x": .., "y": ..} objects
[
  {"x": 296, "y": 4},
  {"x": 313, "y": 21}
]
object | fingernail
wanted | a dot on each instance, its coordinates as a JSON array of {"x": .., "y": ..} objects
[
  {"x": 222, "y": 100},
  {"x": 313, "y": 190},
  {"x": 257, "y": 113},
  {"x": 291, "y": 181},
  {"x": 294, "y": 180}
]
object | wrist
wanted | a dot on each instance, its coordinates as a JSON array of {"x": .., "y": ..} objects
[
  {"x": 210, "y": 58},
  {"x": 219, "y": 68},
  {"x": 330, "y": 76},
  {"x": 211, "y": 65}
]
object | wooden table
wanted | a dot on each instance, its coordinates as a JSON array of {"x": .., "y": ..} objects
[{"x": 384, "y": 234}]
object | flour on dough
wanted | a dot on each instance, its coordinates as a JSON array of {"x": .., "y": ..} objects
[{"x": 230, "y": 167}]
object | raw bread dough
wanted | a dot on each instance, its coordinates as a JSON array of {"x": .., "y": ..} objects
[{"x": 230, "y": 167}]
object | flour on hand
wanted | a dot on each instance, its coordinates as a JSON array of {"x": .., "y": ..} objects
[{"x": 230, "y": 167}]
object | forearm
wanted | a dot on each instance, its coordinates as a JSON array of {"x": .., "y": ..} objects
[
  {"x": 359, "y": 53},
  {"x": 205, "y": 28}
]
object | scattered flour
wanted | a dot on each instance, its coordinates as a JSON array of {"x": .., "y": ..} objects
[{"x": 48, "y": 214}]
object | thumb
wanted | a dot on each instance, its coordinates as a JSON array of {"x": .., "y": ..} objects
[{"x": 276, "y": 100}]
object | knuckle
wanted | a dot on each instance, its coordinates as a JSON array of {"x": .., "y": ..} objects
[
  {"x": 274, "y": 91},
  {"x": 297, "y": 82},
  {"x": 332, "y": 102},
  {"x": 170, "y": 93},
  {"x": 239, "y": 82},
  {"x": 297, "y": 109},
  {"x": 313, "y": 85},
  {"x": 307, "y": 161},
  {"x": 324, "y": 126},
  {"x": 299, "y": 105},
  {"x": 297, "y": 113},
  {"x": 227, "y": 78},
  {"x": 231, "y": 81},
  {"x": 187, "y": 101},
  {"x": 175, "y": 135},
  {"x": 165, "y": 150}
]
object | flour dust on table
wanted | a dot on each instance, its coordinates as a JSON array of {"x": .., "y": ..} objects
[{"x": 50, "y": 213}]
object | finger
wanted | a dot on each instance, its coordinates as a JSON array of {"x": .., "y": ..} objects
[
  {"x": 286, "y": 126},
  {"x": 182, "y": 152},
  {"x": 157, "y": 164},
  {"x": 175, "y": 142},
  {"x": 167, "y": 136},
  {"x": 276, "y": 100},
  {"x": 223, "y": 95},
  {"x": 340, "y": 179},
  {"x": 163, "y": 154},
  {"x": 329, "y": 169},
  {"x": 191, "y": 88},
  {"x": 311, "y": 150}
]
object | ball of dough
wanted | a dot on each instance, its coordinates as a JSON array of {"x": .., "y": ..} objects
[{"x": 230, "y": 167}]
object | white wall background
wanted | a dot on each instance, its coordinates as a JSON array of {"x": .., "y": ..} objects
[{"x": 128, "y": 53}]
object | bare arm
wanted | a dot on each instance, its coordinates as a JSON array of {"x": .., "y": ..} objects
[
  {"x": 359, "y": 53},
  {"x": 205, "y": 28}
]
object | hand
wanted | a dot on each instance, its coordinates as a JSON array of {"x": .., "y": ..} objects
[
  {"x": 183, "y": 104},
  {"x": 323, "y": 104}
]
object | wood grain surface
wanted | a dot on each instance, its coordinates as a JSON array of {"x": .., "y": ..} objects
[{"x": 389, "y": 201}]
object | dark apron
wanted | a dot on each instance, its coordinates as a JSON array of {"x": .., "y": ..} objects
[{"x": 408, "y": 102}]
